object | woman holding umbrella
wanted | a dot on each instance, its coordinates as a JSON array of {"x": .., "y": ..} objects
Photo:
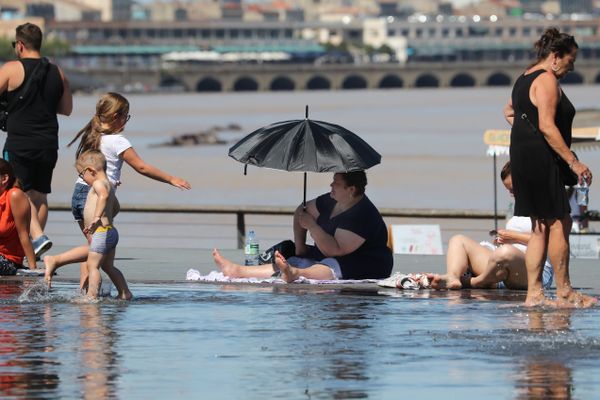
[{"x": 349, "y": 233}]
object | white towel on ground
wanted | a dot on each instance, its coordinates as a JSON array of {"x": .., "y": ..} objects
[
  {"x": 216, "y": 276},
  {"x": 406, "y": 281}
]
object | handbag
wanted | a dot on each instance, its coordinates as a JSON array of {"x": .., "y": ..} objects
[
  {"x": 286, "y": 248},
  {"x": 569, "y": 177},
  {"x": 37, "y": 74}
]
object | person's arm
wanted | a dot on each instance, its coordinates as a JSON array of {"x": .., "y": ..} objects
[
  {"x": 102, "y": 199},
  {"x": 343, "y": 242},
  {"x": 21, "y": 212},
  {"x": 10, "y": 72},
  {"x": 299, "y": 231},
  {"x": 131, "y": 157},
  {"x": 509, "y": 112},
  {"x": 506, "y": 236},
  {"x": 545, "y": 96},
  {"x": 65, "y": 105}
]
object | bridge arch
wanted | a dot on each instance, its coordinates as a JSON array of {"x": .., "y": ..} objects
[
  {"x": 498, "y": 79},
  {"x": 318, "y": 83},
  {"x": 572, "y": 77},
  {"x": 282, "y": 83},
  {"x": 354, "y": 82},
  {"x": 170, "y": 82},
  {"x": 391, "y": 81},
  {"x": 462, "y": 80},
  {"x": 209, "y": 85},
  {"x": 427, "y": 80},
  {"x": 245, "y": 84}
]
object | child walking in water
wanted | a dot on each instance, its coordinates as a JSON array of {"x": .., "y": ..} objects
[
  {"x": 100, "y": 208},
  {"x": 104, "y": 133}
]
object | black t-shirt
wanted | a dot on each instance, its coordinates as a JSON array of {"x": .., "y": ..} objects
[
  {"x": 33, "y": 123},
  {"x": 373, "y": 259}
]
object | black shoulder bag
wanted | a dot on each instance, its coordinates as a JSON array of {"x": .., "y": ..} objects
[
  {"x": 569, "y": 177},
  {"x": 38, "y": 72}
]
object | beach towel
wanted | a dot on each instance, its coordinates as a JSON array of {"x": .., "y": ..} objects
[
  {"x": 216, "y": 276},
  {"x": 406, "y": 281}
]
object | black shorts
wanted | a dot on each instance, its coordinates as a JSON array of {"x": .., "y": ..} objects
[
  {"x": 8, "y": 267},
  {"x": 33, "y": 168}
]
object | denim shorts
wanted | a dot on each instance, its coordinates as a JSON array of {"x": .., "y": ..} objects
[
  {"x": 80, "y": 194},
  {"x": 303, "y": 263}
]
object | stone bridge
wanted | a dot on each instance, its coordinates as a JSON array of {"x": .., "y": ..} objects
[{"x": 279, "y": 77}]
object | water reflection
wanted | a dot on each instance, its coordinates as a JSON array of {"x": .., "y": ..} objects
[
  {"x": 53, "y": 347},
  {"x": 97, "y": 337},
  {"x": 24, "y": 345},
  {"x": 546, "y": 376}
]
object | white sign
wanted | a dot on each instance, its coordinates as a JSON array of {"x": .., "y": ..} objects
[
  {"x": 585, "y": 246},
  {"x": 416, "y": 239}
]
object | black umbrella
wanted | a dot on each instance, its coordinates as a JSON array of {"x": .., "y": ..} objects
[{"x": 305, "y": 145}]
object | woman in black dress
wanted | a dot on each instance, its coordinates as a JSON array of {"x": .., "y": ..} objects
[{"x": 541, "y": 116}]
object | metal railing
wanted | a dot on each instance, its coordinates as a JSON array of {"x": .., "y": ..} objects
[{"x": 241, "y": 211}]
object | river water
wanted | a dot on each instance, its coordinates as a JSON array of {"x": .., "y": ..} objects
[{"x": 431, "y": 141}]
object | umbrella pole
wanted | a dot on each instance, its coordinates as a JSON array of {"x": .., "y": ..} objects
[
  {"x": 304, "y": 200},
  {"x": 495, "y": 196}
]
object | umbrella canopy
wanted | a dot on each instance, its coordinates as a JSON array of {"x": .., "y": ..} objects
[{"x": 305, "y": 145}]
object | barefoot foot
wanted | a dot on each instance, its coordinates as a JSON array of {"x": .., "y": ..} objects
[
  {"x": 50, "y": 264},
  {"x": 125, "y": 296},
  {"x": 444, "y": 282},
  {"x": 575, "y": 299},
  {"x": 288, "y": 273},
  {"x": 539, "y": 300},
  {"x": 227, "y": 267}
]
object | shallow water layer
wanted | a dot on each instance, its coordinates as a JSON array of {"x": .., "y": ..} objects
[{"x": 225, "y": 341}]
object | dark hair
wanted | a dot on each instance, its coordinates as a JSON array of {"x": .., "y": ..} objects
[
  {"x": 358, "y": 179},
  {"x": 30, "y": 35},
  {"x": 6, "y": 169},
  {"x": 505, "y": 171},
  {"x": 553, "y": 41}
]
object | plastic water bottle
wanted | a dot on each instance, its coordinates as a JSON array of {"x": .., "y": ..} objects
[
  {"x": 582, "y": 191},
  {"x": 251, "y": 250}
]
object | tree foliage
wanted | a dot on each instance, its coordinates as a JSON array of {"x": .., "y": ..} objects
[{"x": 54, "y": 48}]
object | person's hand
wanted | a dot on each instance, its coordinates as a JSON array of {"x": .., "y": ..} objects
[
  {"x": 91, "y": 228},
  {"x": 180, "y": 183},
  {"x": 306, "y": 220},
  {"x": 582, "y": 171},
  {"x": 503, "y": 237}
]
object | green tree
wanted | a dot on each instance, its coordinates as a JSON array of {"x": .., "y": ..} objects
[{"x": 54, "y": 48}]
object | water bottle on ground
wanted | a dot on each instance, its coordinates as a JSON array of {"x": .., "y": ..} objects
[
  {"x": 582, "y": 191},
  {"x": 251, "y": 250}
]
